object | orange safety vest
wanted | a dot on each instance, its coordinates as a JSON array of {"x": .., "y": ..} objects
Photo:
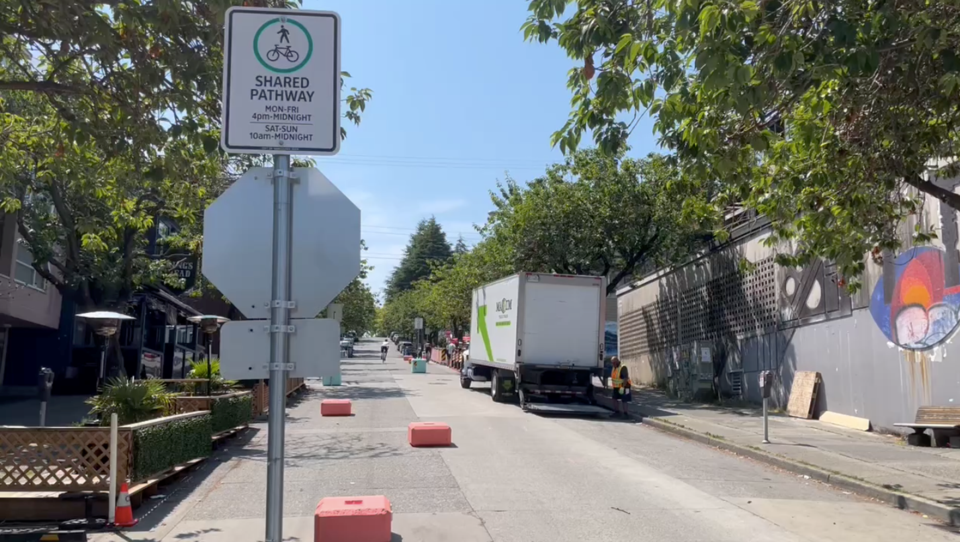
[{"x": 618, "y": 383}]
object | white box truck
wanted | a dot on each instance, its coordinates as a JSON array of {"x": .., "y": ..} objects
[{"x": 539, "y": 336}]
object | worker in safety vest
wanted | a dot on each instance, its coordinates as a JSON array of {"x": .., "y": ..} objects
[{"x": 620, "y": 382}]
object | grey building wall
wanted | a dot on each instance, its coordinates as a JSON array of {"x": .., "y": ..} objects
[{"x": 882, "y": 351}]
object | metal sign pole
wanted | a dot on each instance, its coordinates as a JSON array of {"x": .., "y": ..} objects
[
  {"x": 766, "y": 423},
  {"x": 279, "y": 342}
]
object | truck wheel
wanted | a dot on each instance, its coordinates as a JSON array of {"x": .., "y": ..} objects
[
  {"x": 465, "y": 382},
  {"x": 523, "y": 399},
  {"x": 495, "y": 387}
]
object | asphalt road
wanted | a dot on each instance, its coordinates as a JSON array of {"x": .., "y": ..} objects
[{"x": 511, "y": 477}]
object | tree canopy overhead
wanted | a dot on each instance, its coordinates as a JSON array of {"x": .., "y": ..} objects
[
  {"x": 109, "y": 119},
  {"x": 595, "y": 215},
  {"x": 816, "y": 113},
  {"x": 359, "y": 303}
]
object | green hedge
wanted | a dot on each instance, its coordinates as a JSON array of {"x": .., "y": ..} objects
[
  {"x": 230, "y": 412},
  {"x": 159, "y": 447}
]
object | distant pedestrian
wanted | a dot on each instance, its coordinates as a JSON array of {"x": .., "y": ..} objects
[{"x": 620, "y": 378}]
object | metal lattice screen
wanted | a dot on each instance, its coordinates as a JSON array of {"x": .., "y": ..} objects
[{"x": 731, "y": 305}]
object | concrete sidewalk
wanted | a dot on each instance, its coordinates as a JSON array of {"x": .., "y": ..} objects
[
  {"x": 62, "y": 410},
  {"x": 925, "y": 480}
]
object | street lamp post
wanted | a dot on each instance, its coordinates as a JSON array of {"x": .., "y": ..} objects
[
  {"x": 209, "y": 324},
  {"x": 106, "y": 324}
]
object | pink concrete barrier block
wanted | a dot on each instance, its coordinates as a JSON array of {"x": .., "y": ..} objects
[
  {"x": 353, "y": 519},
  {"x": 335, "y": 407},
  {"x": 429, "y": 434}
]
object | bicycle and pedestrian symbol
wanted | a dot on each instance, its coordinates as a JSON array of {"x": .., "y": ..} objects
[{"x": 283, "y": 45}]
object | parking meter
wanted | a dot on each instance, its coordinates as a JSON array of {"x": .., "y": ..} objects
[
  {"x": 44, "y": 388},
  {"x": 766, "y": 383}
]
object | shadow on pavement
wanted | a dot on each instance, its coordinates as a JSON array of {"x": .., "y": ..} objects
[
  {"x": 363, "y": 392},
  {"x": 195, "y": 534},
  {"x": 174, "y": 491},
  {"x": 307, "y": 450}
]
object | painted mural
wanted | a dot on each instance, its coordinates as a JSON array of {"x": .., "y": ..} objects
[
  {"x": 917, "y": 308},
  {"x": 610, "y": 339}
]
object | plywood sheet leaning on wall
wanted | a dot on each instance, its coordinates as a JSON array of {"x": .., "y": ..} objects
[{"x": 803, "y": 394}]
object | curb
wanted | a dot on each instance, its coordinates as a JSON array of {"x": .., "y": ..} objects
[
  {"x": 40, "y": 535},
  {"x": 903, "y": 501}
]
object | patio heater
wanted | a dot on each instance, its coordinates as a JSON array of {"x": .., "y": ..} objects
[
  {"x": 209, "y": 324},
  {"x": 106, "y": 324}
]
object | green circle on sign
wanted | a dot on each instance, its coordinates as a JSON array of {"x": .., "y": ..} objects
[{"x": 306, "y": 57}]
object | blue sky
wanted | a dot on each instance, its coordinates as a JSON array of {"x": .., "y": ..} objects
[{"x": 460, "y": 101}]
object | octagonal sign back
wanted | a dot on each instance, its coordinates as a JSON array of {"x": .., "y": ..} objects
[{"x": 238, "y": 243}]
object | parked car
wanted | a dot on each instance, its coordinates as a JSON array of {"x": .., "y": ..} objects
[{"x": 346, "y": 346}]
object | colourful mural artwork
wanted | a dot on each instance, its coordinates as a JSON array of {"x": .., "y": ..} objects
[{"x": 921, "y": 311}]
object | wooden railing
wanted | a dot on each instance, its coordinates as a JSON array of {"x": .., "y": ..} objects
[
  {"x": 261, "y": 394},
  {"x": 70, "y": 459},
  {"x": 60, "y": 458},
  {"x": 190, "y": 403}
]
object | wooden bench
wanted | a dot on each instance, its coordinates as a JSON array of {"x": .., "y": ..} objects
[{"x": 943, "y": 422}]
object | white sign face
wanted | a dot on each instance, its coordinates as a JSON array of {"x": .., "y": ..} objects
[
  {"x": 314, "y": 349},
  {"x": 335, "y": 311},
  {"x": 281, "y": 82},
  {"x": 418, "y": 323},
  {"x": 238, "y": 243}
]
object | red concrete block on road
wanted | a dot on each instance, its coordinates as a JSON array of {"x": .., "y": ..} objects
[
  {"x": 335, "y": 407},
  {"x": 429, "y": 434},
  {"x": 353, "y": 519}
]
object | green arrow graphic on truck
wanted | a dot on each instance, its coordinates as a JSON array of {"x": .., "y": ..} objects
[{"x": 482, "y": 326}]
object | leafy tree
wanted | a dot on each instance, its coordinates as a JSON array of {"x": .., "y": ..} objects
[
  {"x": 427, "y": 246},
  {"x": 359, "y": 307},
  {"x": 398, "y": 314},
  {"x": 84, "y": 214},
  {"x": 594, "y": 215},
  {"x": 818, "y": 114},
  {"x": 127, "y": 72},
  {"x": 359, "y": 303},
  {"x": 446, "y": 298},
  {"x": 109, "y": 119},
  {"x": 460, "y": 247}
]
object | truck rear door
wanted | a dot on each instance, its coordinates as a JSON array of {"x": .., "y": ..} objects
[{"x": 561, "y": 321}]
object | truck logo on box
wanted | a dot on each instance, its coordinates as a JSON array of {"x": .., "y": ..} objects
[{"x": 505, "y": 305}]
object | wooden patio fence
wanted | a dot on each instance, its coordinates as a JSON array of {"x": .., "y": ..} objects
[
  {"x": 261, "y": 394},
  {"x": 60, "y": 458}
]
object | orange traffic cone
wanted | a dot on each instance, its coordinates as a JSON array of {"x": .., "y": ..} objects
[{"x": 124, "y": 515}]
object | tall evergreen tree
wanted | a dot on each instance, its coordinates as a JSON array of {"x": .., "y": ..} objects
[
  {"x": 427, "y": 245},
  {"x": 461, "y": 246}
]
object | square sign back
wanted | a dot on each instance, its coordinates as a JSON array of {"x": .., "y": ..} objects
[{"x": 281, "y": 82}]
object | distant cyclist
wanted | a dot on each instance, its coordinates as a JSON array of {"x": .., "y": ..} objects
[{"x": 384, "y": 346}]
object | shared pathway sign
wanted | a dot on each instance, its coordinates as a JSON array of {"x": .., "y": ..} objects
[{"x": 281, "y": 82}]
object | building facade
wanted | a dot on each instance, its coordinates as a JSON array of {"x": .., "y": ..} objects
[
  {"x": 40, "y": 329},
  {"x": 29, "y": 307}
]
